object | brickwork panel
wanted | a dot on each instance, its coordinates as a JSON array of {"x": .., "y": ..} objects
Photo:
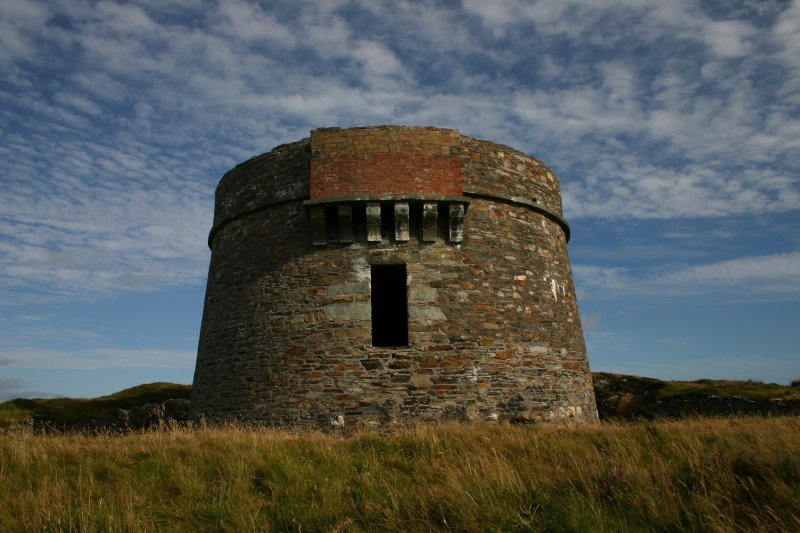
[{"x": 385, "y": 160}]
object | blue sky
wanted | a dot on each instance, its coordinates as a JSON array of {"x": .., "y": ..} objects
[{"x": 673, "y": 126}]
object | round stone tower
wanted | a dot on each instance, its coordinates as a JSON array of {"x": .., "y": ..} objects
[{"x": 367, "y": 276}]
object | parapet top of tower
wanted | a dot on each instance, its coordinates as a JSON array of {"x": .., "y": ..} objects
[{"x": 336, "y": 165}]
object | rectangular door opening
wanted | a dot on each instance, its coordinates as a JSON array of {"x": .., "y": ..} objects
[{"x": 389, "y": 305}]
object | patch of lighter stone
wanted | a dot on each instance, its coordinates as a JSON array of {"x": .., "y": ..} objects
[
  {"x": 572, "y": 411},
  {"x": 426, "y": 312},
  {"x": 361, "y": 269},
  {"x": 348, "y": 311}
]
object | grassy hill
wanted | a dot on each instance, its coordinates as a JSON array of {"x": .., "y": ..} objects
[
  {"x": 626, "y": 397},
  {"x": 80, "y": 410},
  {"x": 608, "y": 384},
  {"x": 618, "y": 396}
]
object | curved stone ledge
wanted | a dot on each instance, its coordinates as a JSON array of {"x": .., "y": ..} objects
[
  {"x": 307, "y": 202},
  {"x": 523, "y": 202},
  {"x": 224, "y": 222}
]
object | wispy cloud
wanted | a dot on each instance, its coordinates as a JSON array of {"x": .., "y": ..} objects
[
  {"x": 16, "y": 388},
  {"x": 769, "y": 277},
  {"x": 18, "y": 29},
  {"x": 118, "y": 119},
  {"x": 95, "y": 358}
]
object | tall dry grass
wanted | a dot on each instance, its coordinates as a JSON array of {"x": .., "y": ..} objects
[{"x": 692, "y": 475}]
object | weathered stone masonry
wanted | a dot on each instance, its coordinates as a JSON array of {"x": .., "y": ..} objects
[{"x": 493, "y": 331}]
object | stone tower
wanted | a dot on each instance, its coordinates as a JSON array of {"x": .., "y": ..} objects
[{"x": 366, "y": 276}]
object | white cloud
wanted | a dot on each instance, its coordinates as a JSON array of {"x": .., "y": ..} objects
[
  {"x": 95, "y": 358},
  {"x": 603, "y": 278},
  {"x": 243, "y": 20},
  {"x": 115, "y": 222},
  {"x": 496, "y": 15},
  {"x": 15, "y": 388},
  {"x": 786, "y": 36},
  {"x": 767, "y": 277},
  {"x": 18, "y": 26},
  {"x": 10, "y": 383},
  {"x": 772, "y": 272},
  {"x": 113, "y": 150},
  {"x": 592, "y": 322},
  {"x": 729, "y": 38},
  {"x": 378, "y": 62},
  {"x": 627, "y": 188}
]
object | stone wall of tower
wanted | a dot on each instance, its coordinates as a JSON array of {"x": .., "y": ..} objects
[{"x": 493, "y": 326}]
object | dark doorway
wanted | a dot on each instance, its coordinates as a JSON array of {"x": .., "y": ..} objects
[{"x": 389, "y": 306}]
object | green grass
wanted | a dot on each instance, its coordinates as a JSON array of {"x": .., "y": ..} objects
[
  {"x": 750, "y": 390},
  {"x": 608, "y": 384},
  {"x": 75, "y": 410},
  {"x": 722, "y": 474}
]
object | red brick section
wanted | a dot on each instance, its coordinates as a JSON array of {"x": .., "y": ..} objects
[{"x": 390, "y": 160}]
